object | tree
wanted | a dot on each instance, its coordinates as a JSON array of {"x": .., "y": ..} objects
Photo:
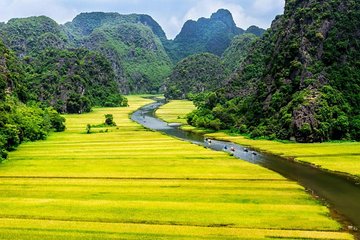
[
  {"x": 88, "y": 129},
  {"x": 109, "y": 120}
]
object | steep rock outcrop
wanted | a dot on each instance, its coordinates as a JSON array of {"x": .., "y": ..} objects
[{"x": 301, "y": 79}]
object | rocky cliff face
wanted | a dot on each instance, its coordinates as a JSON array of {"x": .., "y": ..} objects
[
  {"x": 11, "y": 74},
  {"x": 195, "y": 74},
  {"x": 132, "y": 43},
  {"x": 238, "y": 50},
  {"x": 301, "y": 80},
  {"x": 211, "y": 35},
  {"x": 71, "y": 81},
  {"x": 30, "y": 35}
]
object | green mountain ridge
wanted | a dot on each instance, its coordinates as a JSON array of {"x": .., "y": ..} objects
[
  {"x": 206, "y": 72},
  {"x": 211, "y": 35},
  {"x": 300, "y": 80},
  {"x": 26, "y": 36},
  {"x": 195, "y": 74},
  {"x": 134, "y": 50},
  {"x": 52, "y": 73},
  {"x": 135, "y": 44}
]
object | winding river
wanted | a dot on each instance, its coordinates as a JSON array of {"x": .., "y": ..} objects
[{"x": 340, "y": 193}]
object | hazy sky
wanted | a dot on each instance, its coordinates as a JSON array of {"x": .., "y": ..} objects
[{"x": 171, "y": 14}]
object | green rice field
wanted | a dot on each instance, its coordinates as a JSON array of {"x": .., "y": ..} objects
[
  {"x": 126, "y": 182},
  {"x": 341, "y": 157}
]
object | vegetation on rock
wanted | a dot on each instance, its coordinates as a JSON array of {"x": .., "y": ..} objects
[
  {"x": 236, "y": 53},
  {"x": 211, "y": 35},
  {"x": 299, "y": 81},
  {"x": 26, "y": 36},
  {"x": 132, "y": 43},
  {"x": 73, "y": 81},
  {"x": 20, "y": 121},
  {"x": 198, "y": 73}
]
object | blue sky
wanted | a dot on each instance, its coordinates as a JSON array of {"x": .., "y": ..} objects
[{"x": 171, "y": 14}]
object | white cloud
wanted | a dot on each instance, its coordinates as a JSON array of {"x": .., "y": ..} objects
[
  {"x": 204, "y": 8},
  {"x": 267, "y": 6},
  {"x": 23, "y": 8},
  {"x": 171, "y": 14}
]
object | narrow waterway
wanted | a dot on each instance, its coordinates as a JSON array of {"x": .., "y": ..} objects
[{"x": 341, "y": 194}]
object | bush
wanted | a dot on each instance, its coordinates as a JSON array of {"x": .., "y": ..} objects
[
  {"x": 258, "y": 132},
  {"x": 109, "y": 120},
  {"x": 88, "y": 129},
  {"x": 57, "y": 121},
  {"x": 116, "y": 100}
]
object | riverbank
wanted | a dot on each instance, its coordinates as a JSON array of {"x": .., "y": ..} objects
[{"x": 338, "y": 157}]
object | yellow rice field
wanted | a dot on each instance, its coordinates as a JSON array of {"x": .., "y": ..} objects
[
  {"x": 339, "y": 157},
  {"x": 131, "y": 183},
  {"x": 175, "y": 111}
]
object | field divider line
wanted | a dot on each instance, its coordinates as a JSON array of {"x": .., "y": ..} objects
[
  {"x": 144, "y": 222},
  {"x": 143, "y": 178}
]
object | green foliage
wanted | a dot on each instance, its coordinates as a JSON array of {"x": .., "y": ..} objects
[
  {"x": 195, "y": 74},
  {"x": 88, "y": 129},
  {"x": 57, "y": 121},
  {"x": 238, "y": 50},
  {"x": 20, "y": 122},
  {"x": 73, "y": 81},
  {"x": 78, "y": 104},
  {"x": 300, "y": 80},
  {"x": 116, "y": 100},
  {"x": 109, "y": 120},
  {"x": 132, "y": 43}
]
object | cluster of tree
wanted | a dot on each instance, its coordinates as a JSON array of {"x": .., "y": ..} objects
[
  {"x": 21, "y": 122},
  {"x": 300, "y": 81}
]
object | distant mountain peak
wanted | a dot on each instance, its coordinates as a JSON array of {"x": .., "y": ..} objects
[{"x": 222, "y": 14}]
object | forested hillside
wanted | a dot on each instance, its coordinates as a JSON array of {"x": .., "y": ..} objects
[
  {"x": 239, "y": 48},
  {"x": 72, "y": 81},
  {"x": 300, "y": 80},
  {"x": 136, "y": 46},
  {"x": 195, "y": 74},
  {"x": 26, "y": 36},
  {"x": 56, "y": 74},
  {"x": 20, "y": 120},
  {"x": 132, "y": 43}
]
